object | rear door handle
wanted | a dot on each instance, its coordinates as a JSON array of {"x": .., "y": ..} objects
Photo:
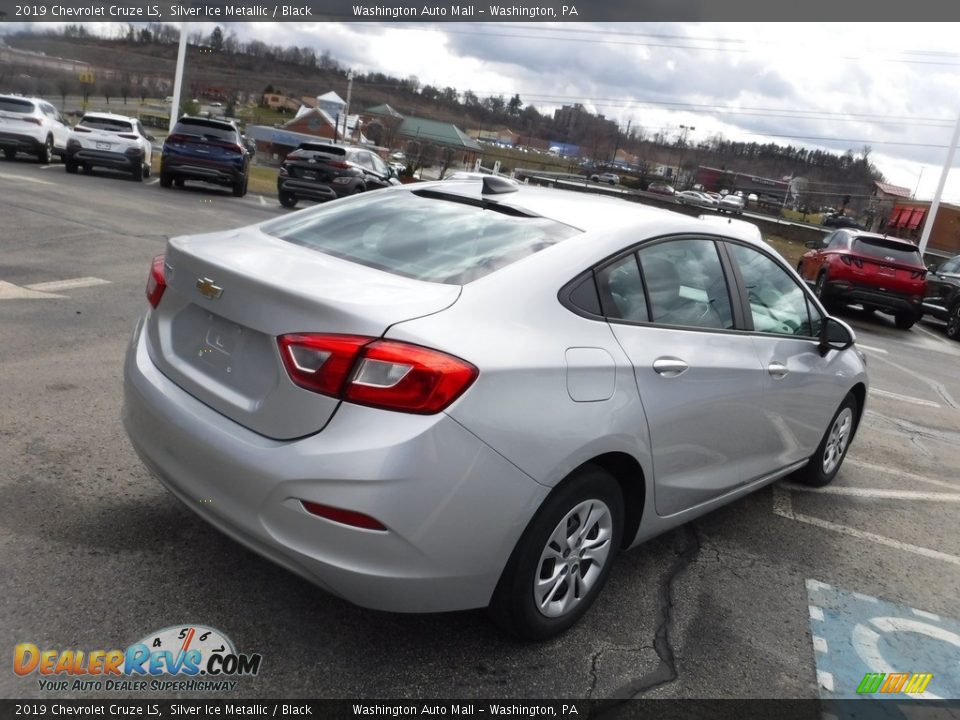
[
  {"x": 777, "y": 369},
  {"x": 669, "y": 366}
]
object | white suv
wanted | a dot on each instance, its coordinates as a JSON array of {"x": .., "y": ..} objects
[
  {"x": 31, "y": 125},
  {"x": 113, "y": 141}
]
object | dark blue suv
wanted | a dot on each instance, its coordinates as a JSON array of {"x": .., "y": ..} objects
[{"x": 208, "y": 150}]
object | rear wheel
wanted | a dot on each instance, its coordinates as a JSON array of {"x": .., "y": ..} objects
[
  {"x": 166, "y": 180},
  {"x": 240, "y": 188},
  {"x": 87, "y": 168},
  {"x": 45, "y": 154},
  {"x": 563, "y": 558},
  {"x": 826, "y": 461},
  {"x": 138, "y": 173},
  {"x": 70, "y": 166},
  {"x": 287, "y": 199},
  {"x": 178, "y": 182},
  {"x": 9, "y": 153},
  {"x": 953, "y": 322},
  {"x": 905, "y": 321}
]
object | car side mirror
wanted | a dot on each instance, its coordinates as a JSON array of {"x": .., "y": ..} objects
[
  {"x": 812, "y": 244},
  {"x": 835, "y": 335}
]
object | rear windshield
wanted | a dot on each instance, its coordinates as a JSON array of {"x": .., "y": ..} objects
[
  {"x": 203, "y": 128},
  {"x": 102, "y": 123},
  {"x": 426, "y": 238},
  {"x": 15, "y": 105},
  {"x": 316, "y": 147},
  {"x": 887, "y": 250}
]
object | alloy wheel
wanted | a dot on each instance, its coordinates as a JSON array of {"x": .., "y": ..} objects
[
  {"x": 573, "y": 558},
  {"x": 837, "y": 440}
]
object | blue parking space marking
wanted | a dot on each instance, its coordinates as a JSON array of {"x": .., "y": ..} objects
[{"x": 856, "y": 634}]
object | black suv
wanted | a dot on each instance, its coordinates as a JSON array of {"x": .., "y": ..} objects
[
  {"x": 942, "y": 299},
  {"x": 839, "y": 220},
  {"x": 209, "y": 150},
  {"x": 322, "y": 171}
]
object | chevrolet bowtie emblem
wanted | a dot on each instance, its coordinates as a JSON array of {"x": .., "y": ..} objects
[{"x": 209, "y": 289}]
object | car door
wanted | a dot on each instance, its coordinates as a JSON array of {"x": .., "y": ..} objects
[
  {"x": 800, "y": 392},
  {"x": 699, "y": 379},
  {"x": 941, "y": 284}
]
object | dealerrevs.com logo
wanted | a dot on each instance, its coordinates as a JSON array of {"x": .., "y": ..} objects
[{"x": 175, "y": 659}]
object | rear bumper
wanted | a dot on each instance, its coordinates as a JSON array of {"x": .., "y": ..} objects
[
  {"x": 453, "y": 507},
  {"x": 192, "y": 169},
  {"x": 103, "y": 158},
  {"x": 844, "y": 291},
  {"x": 22, "y": 142},
  {"x": 312, "y": 190}
]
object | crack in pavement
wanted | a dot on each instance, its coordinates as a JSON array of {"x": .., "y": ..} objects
[{"x": 666, "y": 672}]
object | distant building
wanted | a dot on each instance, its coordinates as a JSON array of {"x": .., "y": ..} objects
[{"x": 907, "y": 217}]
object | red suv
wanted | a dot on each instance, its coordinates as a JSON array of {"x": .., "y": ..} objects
[{"x": 877, "y": 272}]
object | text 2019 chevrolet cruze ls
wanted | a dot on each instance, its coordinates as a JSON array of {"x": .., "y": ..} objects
[{"x": 461, "y": 395}]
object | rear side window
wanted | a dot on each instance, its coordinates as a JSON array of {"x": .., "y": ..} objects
[
  {"x": 686, "y": 285},
  {"x": 15, "y": 105},
  {"x": 426, "y": 238},
  {"x": 887, "y": 250},
  {"x": 621, "y": 290}
]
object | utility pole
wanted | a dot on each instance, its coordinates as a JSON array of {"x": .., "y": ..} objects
[
  {"x": 935, "y": 205},
  {"x": 346, "y": 108},
  {"x": 178, "y": 77}
]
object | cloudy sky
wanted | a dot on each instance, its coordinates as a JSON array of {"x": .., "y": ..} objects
[{"x": 894, "y": 87}]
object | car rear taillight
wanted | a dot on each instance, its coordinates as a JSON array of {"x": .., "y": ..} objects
[
  {"x": 847, "y": 260},
  {"x": 156, "y": 281},
  {"x": 176, "y": 138},
  {"x": 283, "y": 171},
  {"x": 342, "y": 516},
  {"x": 78, "y": 128},
  {"x": 338, "y": 164},
  {"x": 128, "y": 136},
  {"x": 290, "y": 157},
  {"x": 917, "y": 274},
  {"x": 234, "y": 148},
  {"x": 380, "y": 373},
  {"x": 32, "y": 120},
  {"x": 320, "y": 363}
]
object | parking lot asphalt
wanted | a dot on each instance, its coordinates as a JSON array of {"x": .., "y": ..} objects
[{"x": 96, "y": 554}]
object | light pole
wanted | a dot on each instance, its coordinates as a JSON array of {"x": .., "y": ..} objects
[{"x": 919, "y": 178}]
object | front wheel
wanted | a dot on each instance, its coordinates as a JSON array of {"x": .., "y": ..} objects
[
  {"x": 240, "y": 188},
  {"x": 826, "y": 461},
  {"x": 287, "y": 199},
  {"x": 953, "y": 322},
  {"x": 563, "y": 558}
]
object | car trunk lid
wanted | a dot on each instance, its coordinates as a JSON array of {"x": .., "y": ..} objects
[{"x": 230, "y": 295}]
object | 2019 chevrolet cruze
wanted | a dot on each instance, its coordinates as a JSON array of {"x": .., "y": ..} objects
[{"x": 460, "y": 395}]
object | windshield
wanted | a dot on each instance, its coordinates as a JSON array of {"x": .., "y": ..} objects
[{"x": 422, "y": 237}]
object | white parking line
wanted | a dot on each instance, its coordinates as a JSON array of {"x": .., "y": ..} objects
[
  {"x": 783, "y": 506},
  {"x": 876, "y": 493},
  {"x": 153, "y": 181},
  {"x": 931, "y": 334},
  {"x": 904, "y": 398},
  {"x": 870, "y": 348},
  {"x": 913, "y": 477},
  {"x": 9, "y": 291},
  {"x": 47, "y": 167},
  {"x": 67, "y": 284},
  {"x": 24, "y": 178},
  {"x": 263, "y": 200},
  {"x": 925, "y": 614}
]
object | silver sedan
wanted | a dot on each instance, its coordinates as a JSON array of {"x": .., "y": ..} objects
[{"x": 459, "y": 395}]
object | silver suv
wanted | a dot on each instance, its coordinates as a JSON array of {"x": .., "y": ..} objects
[{"x": 32, "y": 125}]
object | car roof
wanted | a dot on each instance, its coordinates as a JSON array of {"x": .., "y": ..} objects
[
  {"x": 595, "y": 214},
  {"x": 877, "y": 236}
]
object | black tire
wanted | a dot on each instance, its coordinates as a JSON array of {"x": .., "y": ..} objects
[
  {"x": 45, "y": 153},
  {"x": 359, "y": 189},
  {"x": 166, "y": 180},
  {"x": 87, "y": 168},
  {"x": 240, "y": 188},
  {"x": 137, "y": 174},
  {"x": 905, "y": 321},
  {"x": 953, "y": 322},
  {"x": 9, "y": 153},
  {"x": 826, "y": 461},
  {"x": 590, "y": 493},
  {"x": 287, "y": 199},
  {"x": 70, "y": 166},
  {"x": 179, "y": 182}
]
